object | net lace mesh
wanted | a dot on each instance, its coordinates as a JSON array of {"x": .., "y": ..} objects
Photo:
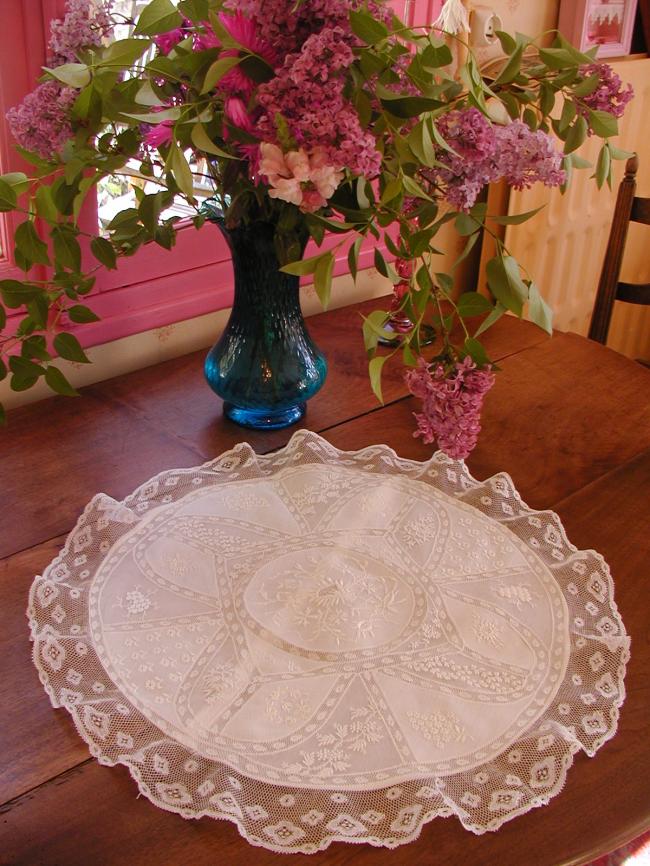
[{"x": 319, "y": 751}]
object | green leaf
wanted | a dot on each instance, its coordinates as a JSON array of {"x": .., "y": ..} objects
[
  {"x": 58, "y": 382},
  {"x": 603, "y": 123},
  {"x": 603, "y": 166},
  {"x": 373, "y": 329},
  {"x": 512, "y": 68},
  {"x": 466, "y": 224},
  {"x": 421, "y": 143},
  {"x": 3, "y": 415},
  {"x": 473, "y": 304},
  {"x": 159, "y": 16},
  {"x": 304, "y": 266},
  {"x": 180, "y": 167},
  {"x": 75, "y": 75},
  {"x": 17, "y": 180},
  {"x": 217, "y": 71},
  {"x": 587, "y": 86},
  {"x": 576, "y": 135},
  {"x": 618, "y": 153},
  {"x": 67, "y": 252},
  {"x": 476, "y": 351},
  {"x": 124, "y": 52},
  {"x": 539, "y": 311},
  {"x": 353, "y": 257},
  {"x": 507, "y": 42},
  {"x": 375, "y": 368},
  {"x": 567, "y": 117},
  {"x": 45, "y": 207},
  {"x": 202, "y": 140},
  {"x": 150, "y": 209},
  {"x": 35, "y": 347},
  {"x": 323, "y": 278},
  {"x": 8, "y": 197},
  {"x": 104, "y": 252},
  {"x": 30, "y": 246},
  {"x": 67, "y": 346},
  {"x": 3, "y": 317},
  {"x": 367, "y": 28},
  {"x": 506, "y": 284},
  {"x": 516, "y": 219},
  {"x": 155, "y": 117},
  {"x": 81, "y": 314},
  {"x": 558, "y": 58},
  {"x": 408, "y": 106}
]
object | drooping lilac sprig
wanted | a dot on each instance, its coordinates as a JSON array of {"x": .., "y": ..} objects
[
  {"x": 610, "y": 95},
  {"x": 452, "y": 400},
  {"x": 85, "y": 24}
]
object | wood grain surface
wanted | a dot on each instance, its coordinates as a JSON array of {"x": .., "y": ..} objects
[{"x": 568, "y": 419}]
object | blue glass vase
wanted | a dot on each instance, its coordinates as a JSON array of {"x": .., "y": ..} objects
[{"x": 265, "y": 366}]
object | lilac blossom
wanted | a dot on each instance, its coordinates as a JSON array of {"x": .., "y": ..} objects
[
  {"x": 609, "y": 96},
  {"x": 308, "y": 92},
  {"x": 484, "y": 153},
  {"x": 84, "y": 25},
  {"x": 41, "y": 123},
  {"x": 452, "y": 400}
]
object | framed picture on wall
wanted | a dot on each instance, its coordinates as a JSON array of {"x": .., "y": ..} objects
[{"x": 606, "y": 23}]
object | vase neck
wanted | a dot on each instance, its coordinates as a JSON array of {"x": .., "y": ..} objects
[{"x": 258, "y": 279}]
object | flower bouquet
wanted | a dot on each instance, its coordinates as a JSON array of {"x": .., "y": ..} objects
[{"x": 314, "y": 117}]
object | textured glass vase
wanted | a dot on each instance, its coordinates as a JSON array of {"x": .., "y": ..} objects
[{"x": 265, "y": 366}]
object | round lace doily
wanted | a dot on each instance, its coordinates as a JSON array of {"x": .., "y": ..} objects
[{"x": 320, "y": 645}]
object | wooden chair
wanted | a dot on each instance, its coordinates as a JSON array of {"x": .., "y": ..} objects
[{"x": 629, "y": 208}]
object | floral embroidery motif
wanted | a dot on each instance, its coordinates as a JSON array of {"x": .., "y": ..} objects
[
  {"x": 440, "y": 728},
  {"x": 422, "y": 530},
  {"x": 137, "y": 602},
  {"x": 519, "y": 594},
  {"x": 287, "y": 706},
  {"x": 487, "y": 630}
]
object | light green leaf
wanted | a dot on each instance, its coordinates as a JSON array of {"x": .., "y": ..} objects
[
  {"x": 123, "y": 53},
  {"x": 304, "y": 266},
  {"x": 603, "y": 166},
  {"x": 576, "y": 135},
  {"x": 603, "y": 123},
  {"x": 353, "y": 257},
  {"x": 45, "y": 207},
  {"x": 217, "y": 71},
  {"x": 180, "y": 167},
  {"x": 75, "y": 75},
  {"x": 375, "y": 367},
  {"x": 506, "y": 284},
  {"x": 516, "y": 219},
  {"x": 618, "y": 153},
  {"x": 323, "y": 278},
  {"x": 159, "y": 16},
  {"x": 202, "y": 140},
  {"x": 539, "y": 311},
  {"x": 156, "y": 117}
]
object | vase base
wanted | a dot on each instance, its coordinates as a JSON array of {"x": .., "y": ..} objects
[{"x": 264, "y": 419}]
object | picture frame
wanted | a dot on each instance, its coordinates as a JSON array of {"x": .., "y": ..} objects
[{"x": 606, "y": 23}]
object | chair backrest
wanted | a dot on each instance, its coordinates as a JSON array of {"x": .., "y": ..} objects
[{"x": 629, "y": 208}]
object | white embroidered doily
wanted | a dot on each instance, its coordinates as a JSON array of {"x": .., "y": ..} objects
[{"x": 321, "y": 645}]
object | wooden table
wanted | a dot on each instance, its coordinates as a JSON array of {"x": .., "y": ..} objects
[{"x": 568, "y": 419}]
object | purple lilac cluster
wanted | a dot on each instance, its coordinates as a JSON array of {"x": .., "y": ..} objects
[
  {"x": 451, "y": 404},
  {"x": 84, "y": 25},
  {"x": 41, "y": 123},
  {"x": 483, "y": 153},
  {"x": 308, "y": 91},
  {"x": 286, "y": 25},
  {"x": 609, "y": 96}
]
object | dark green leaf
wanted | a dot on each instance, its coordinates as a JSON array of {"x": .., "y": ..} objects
[
  {"x": 506, "y": 284},
  {"x": 323, "y": 278},
  {"x": 82, "y": 315},
  {"x": 353, "y": 257},
  {"x": 67, "y": 252},
  {"x": 466, "y": 224},
  {"x": 67, "y": 346},
  {"x": 576, "y": 135},
  {"x": 8, "y": 197},
  {"x": 104, "y": 252},
  {"x": 30, "y": 246},
  {"x": 58, "y": 382},
  {"x": 476, "y": 351},
  {"x": 473, "y": 304},
  {"x": 367, "y": 28}
]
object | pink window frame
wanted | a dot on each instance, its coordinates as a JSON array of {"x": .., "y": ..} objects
[{"x": 154, "y": 288}]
